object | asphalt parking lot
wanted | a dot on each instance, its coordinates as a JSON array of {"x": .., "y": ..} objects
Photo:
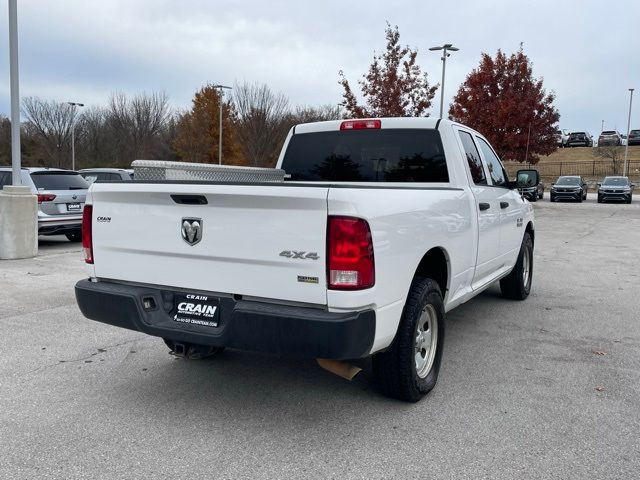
[{"x": 546, "y": 388}]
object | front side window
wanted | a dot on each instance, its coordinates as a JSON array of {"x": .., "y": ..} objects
[
  {"x": 496, "y": 171},
  {"x": 473, "y": 158}
]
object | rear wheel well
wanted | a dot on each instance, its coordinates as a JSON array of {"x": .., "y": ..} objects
[{"x": 435, "y": 265}]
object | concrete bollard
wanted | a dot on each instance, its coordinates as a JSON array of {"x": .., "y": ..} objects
[{"x": 18, "y": 223}]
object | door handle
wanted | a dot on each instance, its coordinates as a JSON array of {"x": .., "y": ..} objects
[
  {"x": 504, "y": 204},
  {"x": 484, "y": 206}
]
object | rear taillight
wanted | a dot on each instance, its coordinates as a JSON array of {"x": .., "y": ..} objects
[
  {"x": 46, "y": 197},
  {"x": 350, "y": 264},
  {"x": 87, "y": 235},
  {"x": 360, "y": 124}
]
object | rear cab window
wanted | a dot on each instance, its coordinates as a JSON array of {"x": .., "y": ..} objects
[
  {"x": 62, "y": 180},
  {"x": 381, "y": 155},
  {"x": 473, "y": 158}
]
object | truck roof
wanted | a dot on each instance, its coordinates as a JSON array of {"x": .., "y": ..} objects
[{"x": 385, "y": 122}]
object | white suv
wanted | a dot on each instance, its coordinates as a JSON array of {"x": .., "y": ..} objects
[{"x": 61, "y": 196}]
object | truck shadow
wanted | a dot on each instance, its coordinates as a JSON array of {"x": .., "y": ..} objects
[{"x": 237, "y": 387}]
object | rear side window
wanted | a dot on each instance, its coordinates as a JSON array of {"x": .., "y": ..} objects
[
  {"x": 387, "y": 155},
  {"x": 58, "y": 181},
  {"x": 107, "y": 176},
  {"x": 473, "y": 159}
]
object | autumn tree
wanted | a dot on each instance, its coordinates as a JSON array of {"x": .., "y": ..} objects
[
  {"x": 197, "y": 130},
  {"x": 503, "y": 101},
  {"x": 394, "y": 86}
]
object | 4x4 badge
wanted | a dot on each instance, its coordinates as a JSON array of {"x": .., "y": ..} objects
[{"x": 191, "y": 230}]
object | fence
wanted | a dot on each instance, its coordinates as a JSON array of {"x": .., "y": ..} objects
[{"x": 596, "y": 168}]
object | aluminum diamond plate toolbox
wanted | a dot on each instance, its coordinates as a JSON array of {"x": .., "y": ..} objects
[{"x": 159, "y": 170}]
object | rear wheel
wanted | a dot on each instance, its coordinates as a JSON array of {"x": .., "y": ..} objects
[
  {"x": 190, "y": 350},
  {"x": 408, "y": 370},
  {"x": 517, "y": 284},
  {"x": 74, "y": 236}
]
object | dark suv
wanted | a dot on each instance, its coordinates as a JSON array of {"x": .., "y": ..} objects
[
  {"x": 569, "y": 188},
  {"x": 634, "y": 137},
  {"x": 615, "y": 188},
  {"x": 528, "y": 187},
  {"x": 610, "y": 137},
  {"x": 580, "y": 139}
]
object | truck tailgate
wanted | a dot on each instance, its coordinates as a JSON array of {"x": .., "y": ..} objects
[{"x": 138, "y": 237}]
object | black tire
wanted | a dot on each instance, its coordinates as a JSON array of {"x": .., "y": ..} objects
[
  {"x": 74, "y": 236},
  {"x": 552, "y": 198},
  {"x": 534, "y": 198},
  {"x": 629, "y": 199},
  {"x": 541, "y": 196},
  {"x": 599, "y": 199},
  {"x": 192, "y": 351},
  {"x": 514, "y": 285},
  {"x": 580, "y": 199},
  {"x": 395, "y": 370}
]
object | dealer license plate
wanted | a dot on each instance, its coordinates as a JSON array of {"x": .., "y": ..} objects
[
  {"x": 197, "y": 310},
  {"x": 73, "y": 207}
]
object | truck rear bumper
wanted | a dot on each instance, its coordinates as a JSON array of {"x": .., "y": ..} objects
[{"x": 246, "y": 325}]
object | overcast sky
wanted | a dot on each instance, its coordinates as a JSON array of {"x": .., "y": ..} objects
[{"x": 587, "y": 52}]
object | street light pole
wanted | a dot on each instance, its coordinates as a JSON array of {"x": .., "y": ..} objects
[
  {"x": 602, "y": 126},
  {"x": 626, "y": 147},
  {"x": 447, "y": 47},
  {"x": 15, "y": 93},
  {"x": 73, "y": 133},
  {"x": 221, "y": 91}
]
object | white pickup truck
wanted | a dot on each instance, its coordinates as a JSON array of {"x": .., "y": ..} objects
[{"x": 382, "y": 226}]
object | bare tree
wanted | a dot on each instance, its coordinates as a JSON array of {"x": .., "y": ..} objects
[
  {"x": 136, "y": 124},
  {"x": 49, "y": 122},
  {"x": 92, "y": 137},
  {"x": 5, "y": 140},
  {"x": 613, "y": 153},
  {"x": 306, "y": 114},
  {"x": 262, "y": 122}
]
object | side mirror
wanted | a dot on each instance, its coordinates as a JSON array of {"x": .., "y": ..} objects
[
  {"x": 527, "y": 178},
  {"x": 599, "y": 184}
]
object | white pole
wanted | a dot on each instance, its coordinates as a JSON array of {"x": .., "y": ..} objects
[
  {"x": 626, "y": 147},
  {"x": 15, "y": 94},
  {"x": 444, "y": 66},
  {"x": 73, "y": 140}
]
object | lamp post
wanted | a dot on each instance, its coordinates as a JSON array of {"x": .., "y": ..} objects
[
  {"x": 73, "y": 133},
  {"x": 221, "y": 92},
  {"x": 15, "y": 93},
  {"x": 626, "y": 147},
  {"x": 602, "y": 126},
  {"x": 447, "y": 47}
]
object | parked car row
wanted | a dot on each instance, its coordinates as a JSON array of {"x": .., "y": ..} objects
[
  {"x": 574, "y": 187},
  {"x": 606, "y": 138},
  {"x": 61, "y": 195}
]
